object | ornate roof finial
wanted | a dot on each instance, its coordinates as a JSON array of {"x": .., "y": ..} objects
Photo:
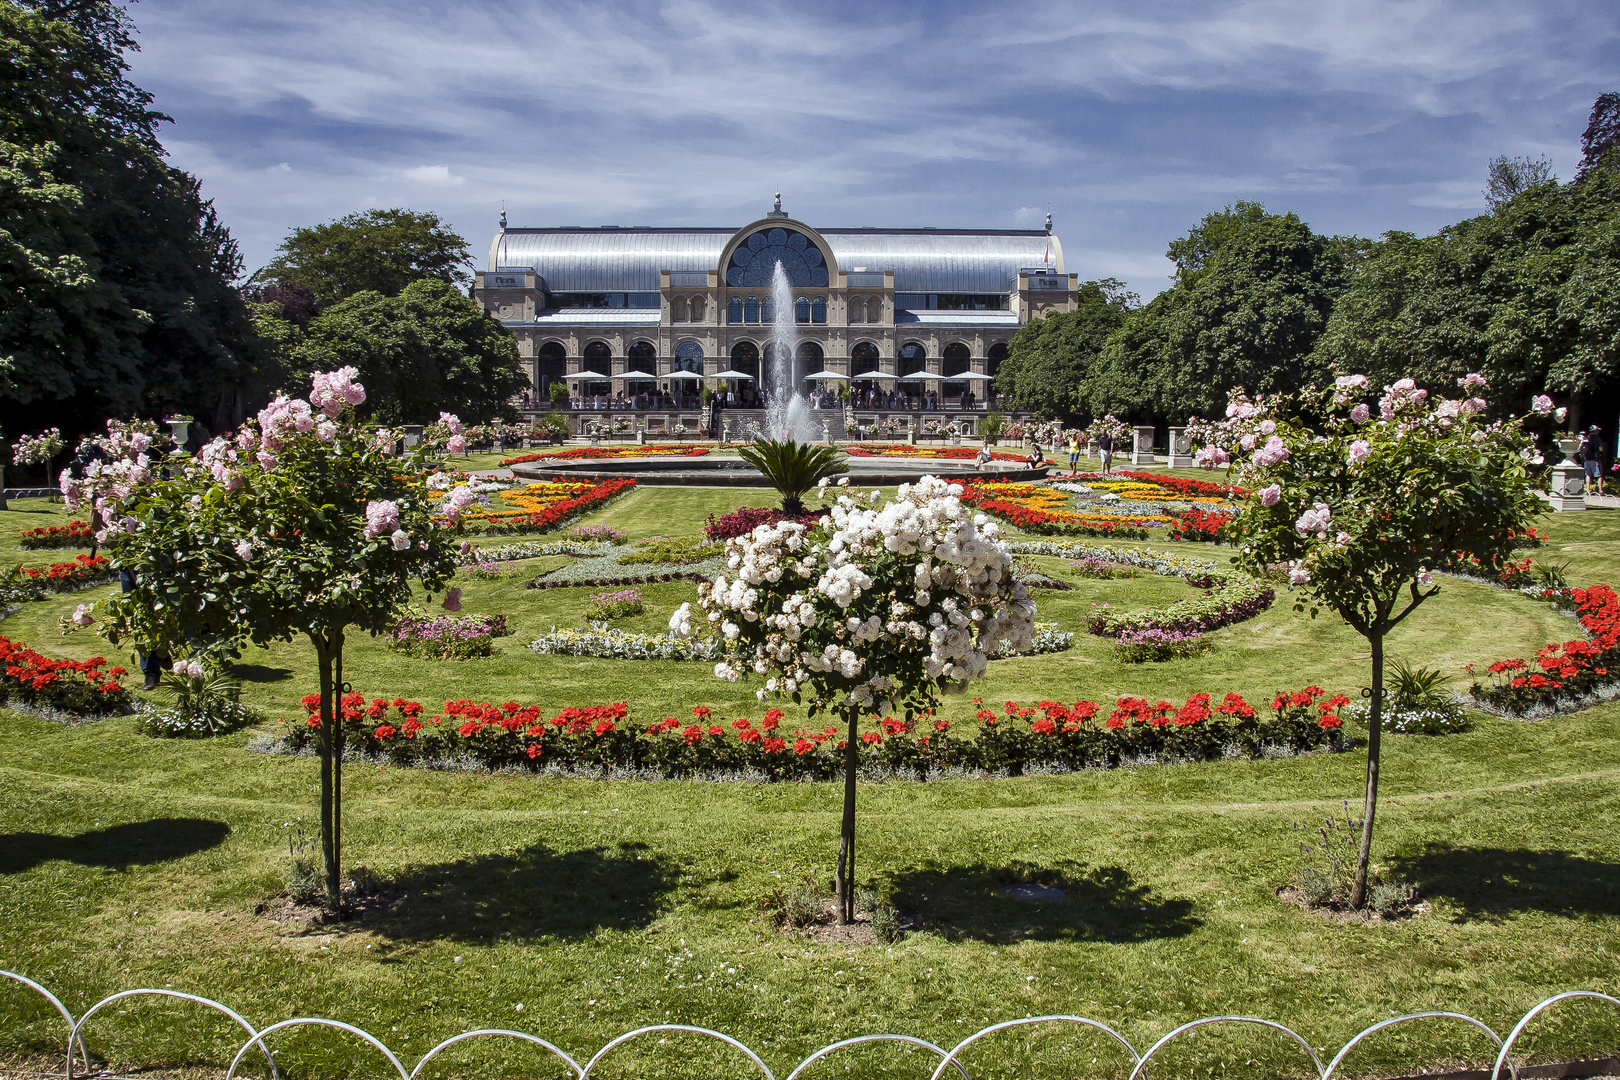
[
  {"x": 503, "y": 217},
  {"x": 778, "y": 206},
  {"x": 1049, "y": 221}
]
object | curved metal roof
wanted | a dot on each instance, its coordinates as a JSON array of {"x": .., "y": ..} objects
[{"x": 923, "y": 260}]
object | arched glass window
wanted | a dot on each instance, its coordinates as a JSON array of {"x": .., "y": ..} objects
[
  {"x": 810, "y": 353},
  {"x": 677, "y": 309},
  {"x": 857, "y": 309},
  {"x": 745, "y": 357},
  {"x": 913, "y": 358},
  {"x": 955, "y": 359},
  {"x": 551, "y": 366},
  {"x": 642, "y": 355},
  {"x": 801, "y": 310},
  {"x": 818, "y": 310},
  {"x": 874, "y": 310},
  {"x": 996, "y": 354},
  {"x": 688, "y": 357},
  {"x": 734, "y": 310},
  {"x": 863, "y": 357},
  {"x": 767, "y": 310},
  {"x": 751, "y": 311},
  {"x": 698, "y": 306},
  {"x": 597, "y": 352},
  {"x": 753, "y": 264}
]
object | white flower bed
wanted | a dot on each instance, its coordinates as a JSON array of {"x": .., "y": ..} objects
[{"x": 609, "y": 643}]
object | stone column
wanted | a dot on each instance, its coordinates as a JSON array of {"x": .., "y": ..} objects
[
  {"x": 1566, "y": 487},
  {"x": 1180, "y": 456},
  {"x": 1142, "y": 447}
]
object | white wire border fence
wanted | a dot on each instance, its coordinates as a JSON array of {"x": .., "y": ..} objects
[{"x": 950, "y": 1059}]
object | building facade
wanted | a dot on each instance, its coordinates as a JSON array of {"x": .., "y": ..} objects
[{"x": 907, "y": 308}]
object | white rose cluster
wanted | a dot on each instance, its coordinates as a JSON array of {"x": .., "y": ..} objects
[{"x": 872, "y": 600}]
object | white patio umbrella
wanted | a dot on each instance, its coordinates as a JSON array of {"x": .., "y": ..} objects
[
  {"x": 826, "y": 375},
  {"x": 683, "y": 375},
  {"x": 636, "y": 375},
  {"x": 872, "y": 375},
  {"x": 972, "y": 376},
  {"x": 731, "y": 375},
  {"x": 585, "y": 375}
]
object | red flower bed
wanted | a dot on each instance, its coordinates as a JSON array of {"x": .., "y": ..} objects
[
  {"x": 1050, "y": 734},
  {"x": 556, "y": 513},
  {"x": 66, "y": 576},
  {"x": 1561, "y": 672},
  {"x": 746, "y": 519},
  {"x": 602, "y": 453},
  {"x": 1035, "y": 520},
  {"x": 73, "y": 534},
  {"x": 1201, "y": 525},
  {"x": 84, "y": 687}
]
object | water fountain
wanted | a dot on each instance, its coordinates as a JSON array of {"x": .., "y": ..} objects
[{"x": 787, "y": 413}]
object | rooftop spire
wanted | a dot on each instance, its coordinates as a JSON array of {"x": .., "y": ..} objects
[
  {"x": 777, "y": 211},
  {"x": 1049, "y": 221},
  {"x": 503, "y": 217}
]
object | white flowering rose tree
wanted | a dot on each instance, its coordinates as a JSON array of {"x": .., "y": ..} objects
[
  {"x": 1360, "y": 503},
  {"x": 302, "y": 524},
  {"x": 872, "y": 608}
]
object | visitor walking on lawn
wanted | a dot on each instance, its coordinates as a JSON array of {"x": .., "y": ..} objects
[
  {"x": 1074, "y": 454},
  {"x": 1105, "y": 450}
]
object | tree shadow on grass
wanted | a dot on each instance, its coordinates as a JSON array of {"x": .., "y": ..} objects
[
  {"x": 1100, "y": 903},
  {"x": 534, "y": 892},
  {"x": 260, "y": 673},
  {"x": 118, "y": 847},
  {"x": 1488, "y": 883}
]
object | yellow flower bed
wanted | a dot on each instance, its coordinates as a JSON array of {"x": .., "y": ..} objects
[{"x": 520, "y": 502}]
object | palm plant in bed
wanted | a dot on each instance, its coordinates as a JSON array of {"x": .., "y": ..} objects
[{"x": 794, "y": 468}]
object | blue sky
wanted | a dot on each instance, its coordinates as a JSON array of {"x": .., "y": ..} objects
[{"x": 1128, "y": 120}]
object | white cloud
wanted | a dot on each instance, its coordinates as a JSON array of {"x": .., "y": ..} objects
[
  {"x": 1130, "y": 119},
  {"x": 438, "y": 175}
]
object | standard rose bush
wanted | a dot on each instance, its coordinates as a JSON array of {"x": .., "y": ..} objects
[
  {"x": 1360, "y": 507},
  {"x": 870, "y": 609}
]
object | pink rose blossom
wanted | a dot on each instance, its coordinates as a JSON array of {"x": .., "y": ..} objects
[
  {"x": 1270, "y": 495},
  {"x": 381, "y": 518},
  {"x": 1360, "y": 414},
  {"x": 457, "y": 445},
  {"x": 1360, "y": 451},
  {"x": 452, "y": 600}
]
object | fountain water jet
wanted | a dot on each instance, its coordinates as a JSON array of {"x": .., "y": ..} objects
[{"x": 787, "y": 413}]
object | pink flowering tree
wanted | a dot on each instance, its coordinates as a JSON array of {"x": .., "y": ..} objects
[
  {"x": 115, "y": 463},
  {"x": 305, "y": 524},
  {"x": 1359, "y": 503}
]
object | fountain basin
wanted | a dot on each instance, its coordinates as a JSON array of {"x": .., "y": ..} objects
[{"x": 714, "y": 471}]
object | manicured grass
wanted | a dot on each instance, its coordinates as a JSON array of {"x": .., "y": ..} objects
[{"x": 129, "y": 861}]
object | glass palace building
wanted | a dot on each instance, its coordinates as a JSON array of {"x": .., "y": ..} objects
[{"x": 903, "y": 309}]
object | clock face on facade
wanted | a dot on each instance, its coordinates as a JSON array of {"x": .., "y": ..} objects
[{"x": 754, "y": 261}]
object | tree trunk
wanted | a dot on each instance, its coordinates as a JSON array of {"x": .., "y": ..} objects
[
  {"x": 1375, "y": 723},
  {"x": 329, "y": 654},
  {"x": 844, "y": 882}
]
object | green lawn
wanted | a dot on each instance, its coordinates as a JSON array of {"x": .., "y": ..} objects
[{"x": 127, "y": 861}]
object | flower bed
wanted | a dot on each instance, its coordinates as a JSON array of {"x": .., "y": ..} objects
[
  {"x": 1561, "y": 675},
  {"x": 608, "y": 643},
  {"x": 601, "y": 453},
  {"x": 943, "y": 453},
  {"x": 32, "y": 583},
  {"x": 1157, "y": 487},
  {"x": 82, "y": 687},
  {"x": 447, "y": 637},
  {"x": 1228, "y": 598},
  {"x": 1047, "y": 736},
  {"x": 608, "y": 569},
  {"x": 1042, "y": 510},
  {"x": 73, "y": 534},
  {"x": 544, "y": 506},
  {"x": 746, "y": 519},
  {"x": 579, "y": 549},
  {"x": 1199, "y": 525},
  {"x": 614, "y": 605},
  {"x": 1153, "y": 644}
]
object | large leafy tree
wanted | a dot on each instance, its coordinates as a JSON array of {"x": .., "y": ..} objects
[
  {"x": 115, "y": 273},
  {"x": 1252, "y": 292},
  {"x": 307, "y": 524},
  {"x": 1600, "y": 142},
  {"x": 379, "y": 251},
  {"x": 1362, "y": 508},
  {"x": 1528, "y": 296},
  {"x": 1050, "y": 359},
  {"x": 428, "y": 349}
]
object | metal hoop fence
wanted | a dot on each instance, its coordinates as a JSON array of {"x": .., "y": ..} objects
[{"x": 949, "y": 1059}]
